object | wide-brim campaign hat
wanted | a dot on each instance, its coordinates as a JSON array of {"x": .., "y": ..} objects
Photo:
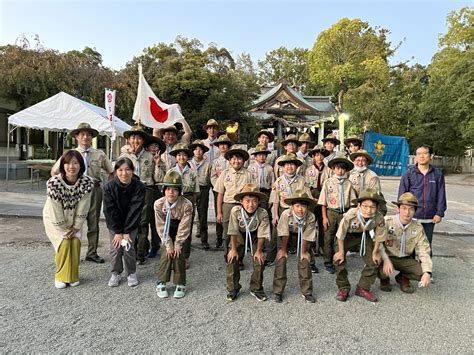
[
  {"x": 369, "y": 194},
  {"x": 305, "y": 138},
  {"x": 198, "y": 143},
  {"x": 332, "y": 138},
  {"x": 353, "y": 138},
  {"x": 223, "y": 139},
  {"x": 407, "y": 199},
  {"x": 236, "y": 151},
  {"x": 171, "y": 128},
  {"x": 155, "y": 140},
  {"x": 261, "y": 149},
  {"x": 292, "y": 138},
  {"x": 172, "y": 179},
  {"x": 290, "y": 158},
  {"x": 341, "y": 158},
  {"x": 181, "y": 148},
  {"x": 250, "y": 190},
  {"x": 299, "y": 196},
  {"x": 362, "y": 153},
  {"x": 83, "y": 126},
  {"x": 270, "y": 135},
  {"x": 319, "y": 149},
  {"x": 136, "y": 130},
  {"x": 210, "y": 123}
]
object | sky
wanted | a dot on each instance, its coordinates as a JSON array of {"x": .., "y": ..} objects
[{"x": 120, "y": 30}]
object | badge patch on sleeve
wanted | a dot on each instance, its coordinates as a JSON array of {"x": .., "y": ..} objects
[{"x": 389, "y": 242}]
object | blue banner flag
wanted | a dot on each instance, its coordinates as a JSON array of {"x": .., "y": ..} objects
[{"x": 390, "y": 153}]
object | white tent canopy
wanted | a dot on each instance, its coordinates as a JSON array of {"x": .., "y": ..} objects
[{"x": 63, "y": 112}]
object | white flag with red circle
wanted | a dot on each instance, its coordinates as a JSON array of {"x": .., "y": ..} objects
[{"x": 150, "y": 111}]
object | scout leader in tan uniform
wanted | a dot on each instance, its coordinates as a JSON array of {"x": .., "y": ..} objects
[
  {"x": 335, "y": 199},
  {"x": 329, "y": 143},
  {"x": 95, "y": 161},
  {"x": 299, "y": 222},
  {"x": 170, "y": 137},
  {"x": 405, "y": 236},
  {"x": 218, "y": 166},
  {"x": 212, "y": 152},
  {"x": 262, "y": 172},
  {"x": 290, "y": 144},
  {"x": 303, "y": 152},
  {"x": 249, "y": 227},
  {"x": 229, "y": 183},
  {"x": 264, "y": 137},
  {"x": 365, "y": 226},
  {"x": 353, "y": 144},
  {"x": 202, "y": 167},
  {"x": 362, "y": 177},
  {"x": 173, "y": 222}
]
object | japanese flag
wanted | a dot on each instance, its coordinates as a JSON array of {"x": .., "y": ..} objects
[{"x": 149, "y": 110}]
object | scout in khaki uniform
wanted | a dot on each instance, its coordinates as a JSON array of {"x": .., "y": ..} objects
[
  {"x": 353, "y": 144},
  {"x": 249, "y": 227},
  {"x": 190, "y": 188},
  {"x": 95, "y": 161},
  {"x": 405, "y": 236},
  {"x": 290, "y": 144},
  {"x": 202, "y": 168},
  {"x": 229, "y": 183},
  {"x": 170, "y": 137},
  {"x": 265, "y": 137},
  {"x": 212, "y": 152},
  {"x": 217, "y": 167},
  {"x": 361, "y": 177},
  {"x": 262, "y": 172},
  {"x": 336, "y": 195},
  {"x": 299, "y": 222},
  {"x": 303, "y": 152},
  {"x": 173, "y": 222},
  {"x": 329, "y": 143},
  {"x": 365, "y": 226}
]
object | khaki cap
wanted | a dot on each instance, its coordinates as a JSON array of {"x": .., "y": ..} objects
[
  {"x": 181, "y": 147},
  {"x": 341, "y": 158},
  {"x": 299, "y": 196},
  {"x": 318, "y": 149},
  {"x": 292, "y": 138},
  {"x": 137, "y": 129},
  {"x": 155, "y": 140},
  {"x": 290, "y": 158},
  {"x": 369, "y": 194},
  {"x": 223, "y": 139},
  {"x": 331, "y": 137},
  {"x": 198, "y": 143},
  {"x": 362, "y": 153},
  {"x": 353, "y": 138},
  {"x": 210, "y": 123},
  {"x": 83, "y": 126},
  {"x": 172, "y": 179},
  {"x": 234, "y": 150},
  {"x": 407, "y": 199},
  {"x": 250, "y": 190},
  {"x": 269, "y": 134},
  {"x": 261, "y": 149},
  {"x": 305, "y": 138}
]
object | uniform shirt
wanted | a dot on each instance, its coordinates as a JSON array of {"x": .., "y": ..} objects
[
  {"x": 313, "y": 175},
  {"x": 213, "y": 152},
  {"x": 330, "y": 196},
  {"x": 188, "y": 177},
  {"x": 270, "y": 157},
  {"x": 262, "y": 174},
  {"x": 231, "y": 181},
  {"x": 350, "y": 223},
  {"x": 415, "y": 241},
  {"x": 167, "y": 158},
  {"x": 278, "y": 170},
  {"x": 160, "y": 171},
  {"x": 96, "y": 161},
  {"x": 329, "y": 157},
  {"x": 145, "y": 167},
  {"x": 370, "y": 179},
  {"x": 282, "y": 189},
  {"x": 217, "y": 167},
  {"x": 307, "y": 162},
  {"x": 203, "y": 171},
  {"x": 287, "y": 225},
  {"x": 182, "y": 212},
  {"x": 260, "y": 225}
]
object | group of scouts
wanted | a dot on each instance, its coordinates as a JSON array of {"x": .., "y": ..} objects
[{"x": 309, "y": 201}]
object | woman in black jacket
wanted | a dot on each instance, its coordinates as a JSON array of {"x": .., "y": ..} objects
[{"x": 124, "y": 197}]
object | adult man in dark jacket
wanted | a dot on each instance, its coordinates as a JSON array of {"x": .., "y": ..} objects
[{"x": 427, "y": 184}]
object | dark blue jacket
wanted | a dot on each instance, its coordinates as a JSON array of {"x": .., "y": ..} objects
[{"x": 429, "y": 189}]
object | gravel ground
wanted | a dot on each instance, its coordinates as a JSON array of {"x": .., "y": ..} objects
[{"x": 35, "y": 317}]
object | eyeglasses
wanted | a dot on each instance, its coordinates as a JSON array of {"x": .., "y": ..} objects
[{"x": 368, "y": 207}]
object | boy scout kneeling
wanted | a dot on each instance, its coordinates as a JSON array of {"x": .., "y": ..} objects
[
  {"x": 299, "y": 222},
  {"x": 252, "y": 221},
  {"x": 405, "y": 236},
  {"x": 362, "y": 225},
  {"x": 173, "y": 223}
]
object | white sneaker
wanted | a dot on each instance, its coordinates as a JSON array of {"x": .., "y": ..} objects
[
  {"x": 132, "y": 280},
  {"x": 59, "y": 284},
  {"x": 74, "y": 284},
  {"x": 114, "y": 280}
]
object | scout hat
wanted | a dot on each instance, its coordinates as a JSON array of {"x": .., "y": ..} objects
[
  {"x": 210, "y": 123},
  {"x": 269, "y": 134},
  {"x": 353, "y": 139},
  {"x": 169, "y": 129},
  {"x": 137, "y": 129},
  {"x": 223, "y": 139},
  {"x": 198, "y": 143},
  {"x": 305, "y": 138},
  {"x": 332, "y": 138},
  {"x": 341, "y": 158},
  {"x": 84, "y": 127},
  {"x": 155, "y": 140},
  {"x": 234, "y": 150},
  {"x": 362, "y": 153},
  {"x": 292, "y": 138},
  {"x": 259, "y": 149},
  {"x": 172, "y": 179},
  {"x": 318, "y": 149},
  {"x": 407, "y": 199},
  {"x": 250, "y": 190},
  {"x": 290, "y": 158},
  {"x": 299, "y": 196},
  {"x": 369, "y": 194},
  {"x": 181, "y": 147}
]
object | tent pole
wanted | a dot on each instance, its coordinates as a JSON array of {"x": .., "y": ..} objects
[{"x": 8, "y": 153}]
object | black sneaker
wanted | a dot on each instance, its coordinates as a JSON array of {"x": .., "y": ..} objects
[
  {"x": 292, "y": 250},
  {"x": 219, "y": 243},
  {"x": 259, "y": 295},
  {"x": 330, "y": 268},
  {"x": 205, "y": 245},
  {"x": 309, "y": 298},
  {"x": 314, "y": 269},
  {"x": 141, "y": 261},
  {"x": 278, "y": 298},
  {"x": 232, "y": 295},
  {"x": 267, "y": 263}
]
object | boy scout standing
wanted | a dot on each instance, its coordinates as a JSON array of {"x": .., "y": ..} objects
[
  {"x": 249, "y": 227},
  {"x": 303, "y": 152},
  {"x": 262, "y": 172},
  {"x": 299, "y": 222},
  {"x": 405, "y": 236},
  {"x": 361, "y": 177},
  {"x": 202, "y": 167},
  {"x": 95, "y": 161},
  {"x": 353, "y": 144},
  {"x": 265, "y": 137},
  {"x": 335, "y": 198},
  {"x": 365, "y": 226},
  {"x": 290, "y": 144},
  {"x": 173, "y": 222},
  {"x": 212, "y": 129},
  {"x": 330, "y": 142}
]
